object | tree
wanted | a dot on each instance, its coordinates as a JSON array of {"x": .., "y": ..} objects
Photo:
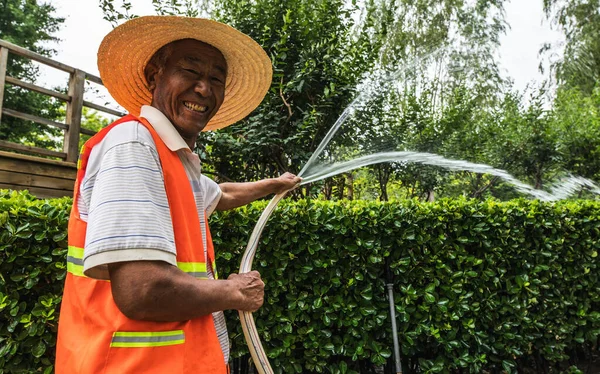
[
  {"x": 317, "y": 65},
  {"x": 575, "y": 113},
  {"x": 29, "y": 24},
  {"x": 527, "y": 143},
  {"x": 431, "y": 53},
  {"x": 580, "y": 22},
  {"x": 575, "y": 119}
]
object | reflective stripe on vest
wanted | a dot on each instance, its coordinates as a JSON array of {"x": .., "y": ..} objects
[
  {"x": 195, "y": 269},
  {"x": 147, "y": 339},
  {"x": 75, "y": 265},
  {"x": 75, "y": 261}
]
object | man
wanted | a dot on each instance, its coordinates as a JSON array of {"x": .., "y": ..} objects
[{"x": 141, "y": 294}]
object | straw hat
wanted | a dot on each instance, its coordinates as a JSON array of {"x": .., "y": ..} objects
[{"x": 125, "y": 51}]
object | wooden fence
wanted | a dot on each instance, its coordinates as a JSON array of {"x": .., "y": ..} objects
[{"x": 27, "y": 167}]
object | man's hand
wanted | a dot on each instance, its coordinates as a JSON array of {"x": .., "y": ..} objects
[
  {"x": 287, "y": 182},
  {"x": 250, "y": 289}
]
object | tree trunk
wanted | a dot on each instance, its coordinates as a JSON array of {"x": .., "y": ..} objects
[
  {"x": 538, "y": 178},
  {"x": 341, "y": 184},
  {"x": 430, "y": 196},
  {"x": 327, "y": 188},
  {"x": 350, "y": 186},
  {"x": 383, "y": 177}
]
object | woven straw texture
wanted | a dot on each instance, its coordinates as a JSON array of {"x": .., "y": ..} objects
[{"x": 125, "y": 51}]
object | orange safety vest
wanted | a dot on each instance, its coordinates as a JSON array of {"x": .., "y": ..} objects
[{"x": 95, "y": 337}]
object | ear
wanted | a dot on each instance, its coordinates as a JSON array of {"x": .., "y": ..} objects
[{"x": 151, "y": 72}]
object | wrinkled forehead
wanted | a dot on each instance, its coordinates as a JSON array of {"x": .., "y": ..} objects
[
  {"x": 192, "y": 51},
  {"x": 193, "y": 59}
]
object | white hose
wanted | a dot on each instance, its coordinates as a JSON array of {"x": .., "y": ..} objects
[{"x": 257, "y": 351}]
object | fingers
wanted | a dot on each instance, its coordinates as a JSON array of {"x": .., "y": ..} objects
[
  {"x": 292, "y": 177},
  {"x": 250, "y": 290},
  {"x": 289, "y": 181}
]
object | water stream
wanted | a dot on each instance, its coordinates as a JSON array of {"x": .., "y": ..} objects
[
  {"x": 559, "y": 190},
  {"x": 324, "y": 164}
]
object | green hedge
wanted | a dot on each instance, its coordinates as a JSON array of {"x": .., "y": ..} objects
[
  {"x": 32, "y": 270},
  {"x": 478, "y": 285}
]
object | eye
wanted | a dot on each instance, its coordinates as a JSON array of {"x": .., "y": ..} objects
[
  {"x": 192, "y": 71},
  {"x": 217, "y": 80}
]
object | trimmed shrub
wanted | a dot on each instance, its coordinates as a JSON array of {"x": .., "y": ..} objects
[
  {"x": 479, "y": 286},
  {"x": 33, "y": 250}
]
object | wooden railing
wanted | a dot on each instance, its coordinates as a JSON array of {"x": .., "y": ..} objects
[
  {"x": 74, "y": 99},
  {"x": 56, "y": 174}
]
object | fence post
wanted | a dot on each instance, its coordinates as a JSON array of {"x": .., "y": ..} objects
[
  {"x": 3, "y": 65},
  {"x": 74, "y": 111}
]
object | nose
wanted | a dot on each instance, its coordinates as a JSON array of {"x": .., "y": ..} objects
[{"x": 203, "y": 88}]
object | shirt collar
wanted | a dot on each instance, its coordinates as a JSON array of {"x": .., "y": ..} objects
[{"x": 164, "y": 128}]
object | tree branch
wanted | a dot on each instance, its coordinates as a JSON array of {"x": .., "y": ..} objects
[
  {"x": 480, "y": 191},
  {"x": 289, "y": 108}
]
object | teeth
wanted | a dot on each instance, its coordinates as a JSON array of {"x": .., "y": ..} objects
[{"x": 195, "y": 107}]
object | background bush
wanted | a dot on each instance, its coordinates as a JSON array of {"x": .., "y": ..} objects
[
  {"x": 33, "y": 250},
  {"x": 479, "y": 286}
]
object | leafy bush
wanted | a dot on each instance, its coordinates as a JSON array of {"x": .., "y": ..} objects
[
  {"x": 478, "y": 285},
  {"x": 33, "y": 252}
]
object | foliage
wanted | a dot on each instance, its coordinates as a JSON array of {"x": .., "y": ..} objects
[
  {"x": 28, "y": 24},
  {"x": 580, "y": 22},
  {"x": 536, "y": 144},
  {"x": 465, "y": 32},
  {"x": 576, "y": 122},
  {"x": 118, "y": 11},
  {"x": 479, "y": 285},
  {"x": 32, "y": 268},
  {"x": 322, "y": 57},
  {"x": 524, "y": 142},
  {"x": 455, "y": 77}
]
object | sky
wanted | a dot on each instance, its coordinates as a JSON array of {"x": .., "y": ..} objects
[
  {"x": 519, "y": 49},
  {"x": 84, "y": 29}
]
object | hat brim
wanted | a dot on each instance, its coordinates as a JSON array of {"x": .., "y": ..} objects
[{"x": 125, "y": 51}]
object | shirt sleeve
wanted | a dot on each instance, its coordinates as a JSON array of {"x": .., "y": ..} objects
[
  {"x": 213, "y": 194},
  {"x": 128, "y": 212}
]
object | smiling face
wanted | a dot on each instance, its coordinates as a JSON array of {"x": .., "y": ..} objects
[{"x": 188, "y": 85}]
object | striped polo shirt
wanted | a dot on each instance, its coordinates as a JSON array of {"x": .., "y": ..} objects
[{"x": 123, "y": 200}]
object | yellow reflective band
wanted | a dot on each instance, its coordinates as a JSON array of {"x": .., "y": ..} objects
[
  {"x": 75, "y": 269},
  {"x": 75, "y": 252},
  {"x": 75, "y": 261},
  {"x": 195, "y": 269},
  {"x": 147, "y": 339}
]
